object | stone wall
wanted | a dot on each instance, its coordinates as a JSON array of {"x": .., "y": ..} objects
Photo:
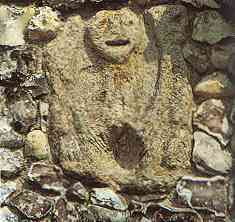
[{"x": 116, "y": 111}]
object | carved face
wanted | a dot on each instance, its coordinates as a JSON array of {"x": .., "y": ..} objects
[{"x": 115, "y": 34}]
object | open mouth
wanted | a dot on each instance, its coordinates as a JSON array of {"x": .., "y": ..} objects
[{"x": 118, "y": 42}]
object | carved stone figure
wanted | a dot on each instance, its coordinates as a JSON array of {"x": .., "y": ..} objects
[{"x": 113, "y": 119}]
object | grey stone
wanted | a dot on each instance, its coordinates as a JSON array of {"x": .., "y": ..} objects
[
  {"x": 44, "y": 113},
  {"x": 210, "y": 27},
  {"x": 32, "y": 205},
  {"x": 13, "y": 21},
  {"x": 43, "y": 25},
  {"x": 78, "y": 191},
  {"x": 7, "y": 216},
  {"x": 24, "y": 112},
  {"x": 8, "y": 137},
  {"x": 208, "y": 155},
  {"x": 11, "y": 163},
  {"x": 6, "y": 189},
  {"x": 202, "y": 3},
  {"x": 197, "y": 56},
  {"x": 212, "y": 118}
]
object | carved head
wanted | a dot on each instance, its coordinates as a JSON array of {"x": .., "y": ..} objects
[{"x": 115, "y": 33}]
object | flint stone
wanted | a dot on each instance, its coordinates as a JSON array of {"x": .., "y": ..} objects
[
  {"x": 107, "y": 215},
  {"x": 211, "y": 117},
  {"x": 8, "y": 137},
  {"x": 7, "y": 216},
  {"x": 105, "y": 197},
  {"x": 216, "y": 85},
  {"x": 49, "y": 177},
  {"x": 24, "y": 112},
  {"x": 210, "y": 27},
  {"x": 208, "y": 155},
  {"x": 37, "y": 145},
  {"x": 79, "y": 192},
  {"x": 37, "y": 85},
  {"x": 13, "y": 21},
  {"x": 204, "y": 193},
  {"x": 43, "y": 26},
  {"x": 65, "y": 211},
  {"x": 221, "y": 53},
  {"x": 11, "y": 163},
  {"x": 196, "y": 56},
  {"x": 8, "y": 65},
  {"x": 6, "y": 189},
  {"x": 98, "y": 135},
  {"x": 32, "y": 205},
  {"x": 202, "y": 3}
]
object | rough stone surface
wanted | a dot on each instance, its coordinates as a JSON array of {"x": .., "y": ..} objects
[
  {"x": 43, "y": 26},
  {"x": 100, "y": 134},
  {"x": 37, "y": 146},
  {"x": 196, "y": 56},
  {"x": 211, "y": 117},
  {"x": 202, "y": 3},
  {"x": 209, "y": 26},
  {"x": 215, "y": 85},
  {"x": 208, "y": 155},
  {"x": 11, "y": 163},
  {"x": 8, "y": 137},
  {"x": 13, "y": 21}
]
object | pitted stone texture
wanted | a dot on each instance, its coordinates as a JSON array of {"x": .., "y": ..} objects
[
  {"x": 32, "y": 205},
  {"x": 211, "y": 116},
  {"x": 115, "y": 34},
  {"x": 13, "y": 21},
  {"x": 117, "y": 126},
  {"x": 215, "y": 85},
  {"x": 210, "y": 27},
  {"x": 43, "y": 26},
  {"x": 8, "y": 137},
  {"x": 203, "y": 3},
  {"x": 11, "y": 163},
  {"x": 208, "y": 155}
]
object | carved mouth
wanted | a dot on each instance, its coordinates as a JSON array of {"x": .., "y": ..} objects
[{"x": 117, "y": 42}]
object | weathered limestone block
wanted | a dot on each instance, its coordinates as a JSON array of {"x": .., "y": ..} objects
[{"x": 113, "y": 116}]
